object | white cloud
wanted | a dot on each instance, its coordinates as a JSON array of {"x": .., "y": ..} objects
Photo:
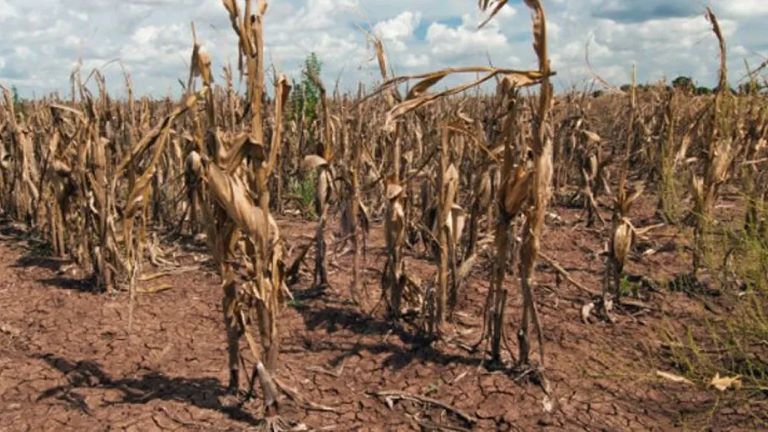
[
  {"x": 321, "y": 14},
  {"x": 397, "y": 30},
  {"x": 7, "y": 11},
  {"x": 671, "y": 33},
  {"x": 742, "y": 8},
  {"x": 449, "y": 42},
  {"x": 416, "y": 61},
  {"x": 505, "y": 13},
  {"x": 146, "y": 34},
  {"x": 664, "y": 38},
  {"x": 740, "y": 50}
]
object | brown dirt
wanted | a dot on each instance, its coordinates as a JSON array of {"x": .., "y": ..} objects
[{"x": 68, "y": 362}]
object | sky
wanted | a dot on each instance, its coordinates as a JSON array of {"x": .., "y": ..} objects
[{"x": 42, "y": 41}]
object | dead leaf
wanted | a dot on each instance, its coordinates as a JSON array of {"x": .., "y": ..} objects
[
  {"x": 724, "y": 383},
  {"x": 547, "y": 404},
  {"x": 154, "y": 289},
  {"x": 673, "y": 377}
]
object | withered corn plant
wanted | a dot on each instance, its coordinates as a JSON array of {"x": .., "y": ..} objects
[
  {"x": 20, "y": 158},
  {"x": 354, "y": 217},
  {"x": 394, "y": 278},
  {"x": 321, "y": 162},
  {"x": 230, "y": 174},
  {"x": 444, "y": 230},
  {"x": 482, "y": 191},
  {"x": 138, "y": 199},
  {"x": 65, "y": 174},
  {"x": 5, "y": 157},
  {"x": 622, "y": 237},
  {"x": 235, "y": 217},
  {"x": 579, "y": 149},
  {"x": 719, "y": 153},
  {"x": 668, "y": 186},
  {"x": 592, "y": 170},
  {"x": 753, "y": 173},
  {"x": 514, "y": 191},
  {"x": 527, "y": 190},
  {"x": 622, "y": 231}
]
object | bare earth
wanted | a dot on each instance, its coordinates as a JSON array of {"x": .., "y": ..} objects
[{"x": 68, "y": 362}]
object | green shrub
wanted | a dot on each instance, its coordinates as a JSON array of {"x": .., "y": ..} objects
[{"x": 304, "y": 190}]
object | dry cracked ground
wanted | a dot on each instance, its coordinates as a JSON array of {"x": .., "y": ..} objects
[{"x": 68, "y": 360}]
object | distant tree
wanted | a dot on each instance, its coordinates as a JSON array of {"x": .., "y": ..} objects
[
  {"x": 731, "y": 89},
  {"x": 18, "y": 106},
  {"x": 16, "y": 98},
  {"x": 597, "y": 93},
  {"x": 306, "y": 94},
  {"x": 703, "y": 90},
  {"x": 626, "y": 87},
  {"x": 750, "y": 87},
  {"x": 683, "y": 83}
]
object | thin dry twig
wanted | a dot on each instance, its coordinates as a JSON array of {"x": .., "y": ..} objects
[
  {"x": 555, "y": 265},
  {"x": 396, "y": 394}
]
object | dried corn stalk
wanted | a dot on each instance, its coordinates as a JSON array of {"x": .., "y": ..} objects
[
  {"x": 22, "y": 155},
  {"x": 622, "y": 231},
  {"x": 443, "y": 231},
  {"x": 527, "y": 190},
  {"x": 137, "y": 202},
  {"x": 233, "y": 215},
  {"x": 621, "y": 240},
  {"x": 393, "y": 278},
  {"x": 324, "y": 186},
  {"x": 718, "y": 158}
]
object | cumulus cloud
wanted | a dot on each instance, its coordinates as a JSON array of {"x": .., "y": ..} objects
[
  {"x": 398, "y": 30},
  {"x": 7, "y": 11},
  {"x": 457, "y": 42},
  {"x": 623, "y": 11},
  {"x": 42, "y": 40},
  {"x": 743, "y": 8},
  {"x": 321, "y": 14}
]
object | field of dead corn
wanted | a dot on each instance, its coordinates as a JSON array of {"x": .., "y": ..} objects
[{"x": 412, "y": 257}]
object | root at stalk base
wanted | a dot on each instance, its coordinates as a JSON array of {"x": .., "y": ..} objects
[
  {"x": 279, "y": 424},
  {"x": 230, "y": 400},
  {"x": 528, "y": 372}
]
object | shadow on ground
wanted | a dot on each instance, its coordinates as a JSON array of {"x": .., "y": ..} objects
[
  {"x": 201, "y": 392},
  {"x": 412, "y": 346}
]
